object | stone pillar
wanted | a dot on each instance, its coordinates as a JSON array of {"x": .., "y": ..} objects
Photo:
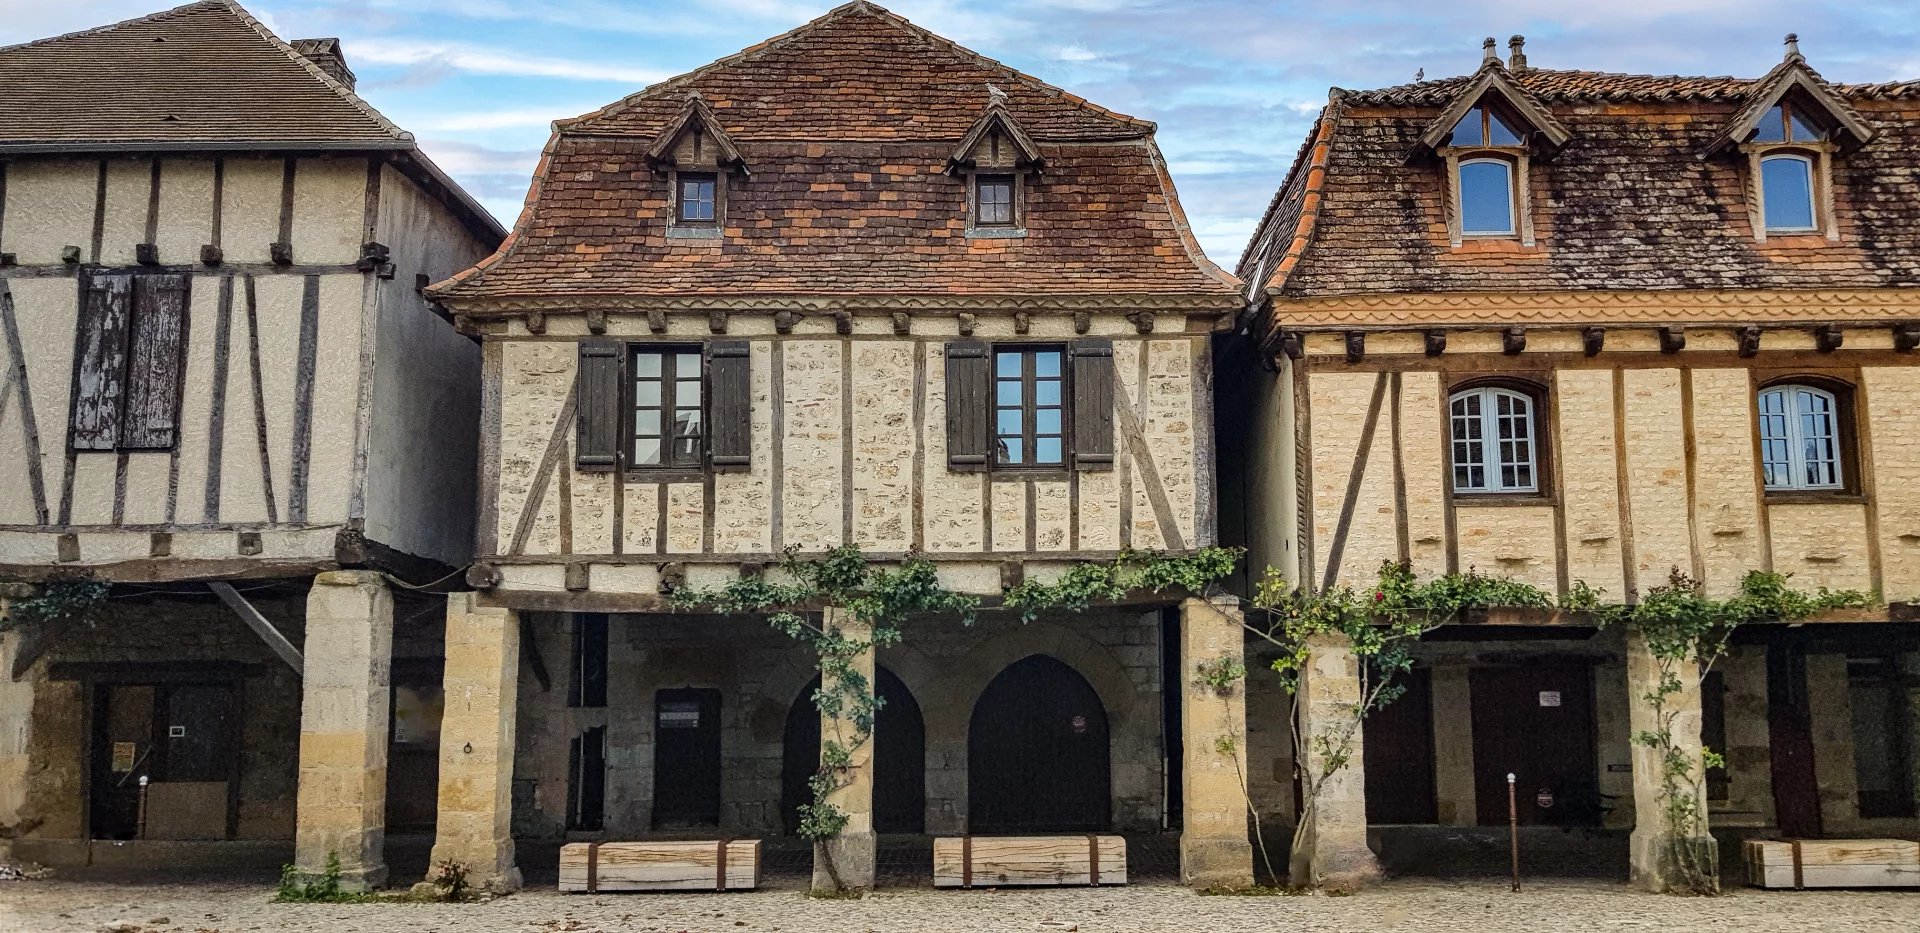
[
  {"x": 1214, "y": 851},
  {"x": 1653, "y": 847},
  {"x": 345, "y": 696},
  {"x": 1453, "y": 782},
  {"x": 16, "y": 721},
  {"x": 1613, "y": 734},
  {"x": 482, "y": 685},
  {"x": 854, "y": 853},
  {"x": 1336, "y": 851},
  {"x": 1830, "y": 710},
  {"x": 1749, "y": 750}
]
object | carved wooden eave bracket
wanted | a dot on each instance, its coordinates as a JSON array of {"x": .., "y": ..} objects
[
  {"x": 996, "y": 127},
  {"x": 1792, "y": 77},
  {"x": 1544, "y": 134},
  {"x": 695, "y": 117}
]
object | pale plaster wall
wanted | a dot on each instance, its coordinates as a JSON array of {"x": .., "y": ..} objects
[
  {"x": 1655, "y": 448},
  {"x": 1893, "y": 419}
]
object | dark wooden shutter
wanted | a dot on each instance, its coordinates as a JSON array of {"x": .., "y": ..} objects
[
  {"x": 969, "y": 405},
  {"x": 1092, "y": 403},
  {"x": 100, "y": 361},
  {"x": 730, "y": 404},
  {"x": 596, "y": 388},
  {"x": 155, "y": 354}
]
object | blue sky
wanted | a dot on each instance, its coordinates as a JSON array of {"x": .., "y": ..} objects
[{"x": 1233, "y": 84}]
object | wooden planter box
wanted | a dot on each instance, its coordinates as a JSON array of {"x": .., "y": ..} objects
[
  {"x": 592, "y": 867},
  {"x": 997, "y": 861},
  {"x": 1833, "y": 863}
]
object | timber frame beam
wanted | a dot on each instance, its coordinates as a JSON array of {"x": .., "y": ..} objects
[{"x": 261, "y": 627}]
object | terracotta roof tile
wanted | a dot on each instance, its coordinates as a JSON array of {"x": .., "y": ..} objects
[{"x": 205, "y": 74}]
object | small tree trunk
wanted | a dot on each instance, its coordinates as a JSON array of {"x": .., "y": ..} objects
[{"x": 1300, "y": 853}]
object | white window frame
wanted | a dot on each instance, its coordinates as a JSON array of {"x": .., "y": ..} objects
[
  {"x": 1513, "y": 197},
  {"x": 1486, "y": 450},
  {"x": 1795, "y": 439},
  {"x": 1813, "y": 190}
]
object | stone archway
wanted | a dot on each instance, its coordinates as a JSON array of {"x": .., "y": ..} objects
[
  {"x": 899, "y": 758},
  {"x": 1039, "y": 756}
]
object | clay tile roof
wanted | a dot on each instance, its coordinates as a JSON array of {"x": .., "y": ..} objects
[
  {"x": 1636, "y": 201},
  {"x": 204, "y": 75},
  {"x": 849, "y": 124}
]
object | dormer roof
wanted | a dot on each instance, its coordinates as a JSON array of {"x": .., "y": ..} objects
[
  {"x": 696, "y": 118},
  {"x": 1793, "y": 77},
  {"x": 995, "y": 126},
  {"x": 1542, "y": 132}
]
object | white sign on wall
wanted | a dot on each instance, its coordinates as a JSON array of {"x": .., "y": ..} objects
[{"x": 1549, "y": 698}]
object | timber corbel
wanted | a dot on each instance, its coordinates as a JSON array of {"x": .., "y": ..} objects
[{"x": 261, "y": 627}]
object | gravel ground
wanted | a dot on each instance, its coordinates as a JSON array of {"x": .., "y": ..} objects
[{"x": 86, "y": 906}]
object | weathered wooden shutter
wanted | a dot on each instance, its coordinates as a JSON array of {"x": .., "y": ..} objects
[
  {"x": 155, "y": 354},
  {"x": 969, "y": 405},
  {"x": 730, "y": 404},
  {"x": 1092, "y": 403},
  {"x": 596, "y": 388},
  {"x": 100, "y": 361}
]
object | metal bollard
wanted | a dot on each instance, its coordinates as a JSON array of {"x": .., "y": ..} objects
[{"x": 1513, "y": 830}]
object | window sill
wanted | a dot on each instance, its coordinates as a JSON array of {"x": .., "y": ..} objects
[
  {"x": 1815, "y": 497},
  {"x": 996, "y": 233},
  {"x": 693, "y": 233},
  {"x": 665, "y": 475},
  {"x": 1504, "y": 498},
  {"x": 1021, "y": 474}
]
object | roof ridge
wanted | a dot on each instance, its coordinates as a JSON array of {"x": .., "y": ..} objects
[
  {"x": 359, "y": 103},
  {"x": 150, "y": 17},
  {"x": 837, "y": 13}
]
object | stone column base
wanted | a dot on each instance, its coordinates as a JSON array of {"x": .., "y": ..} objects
[
  {"x": 1214, "y": 862},
  {"x": 856, "y": 858},
  {"x": 1655, "y": 862}
]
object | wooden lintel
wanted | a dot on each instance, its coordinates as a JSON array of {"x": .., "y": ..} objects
[
  {"x": 261, "y": 627},
  {"x": 171, "y": 570}
]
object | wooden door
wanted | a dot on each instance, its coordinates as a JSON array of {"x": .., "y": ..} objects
[
  {"x": 686, "y": 759},
  {"x": 1037, "y": 753},
  {"x": 123, "y": 753},
  {"x": 1796, "y": 786},
  {"x": 899, "y": 758},
  {"x": 1398, "y": 752},
  {"x": 1535, "y": 722}
]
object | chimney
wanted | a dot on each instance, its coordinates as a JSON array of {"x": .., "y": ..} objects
[
  {"x": 1517, "y": 53},
  {"x": 1793, "y": 46},
  {"x": 325, "y": 55},
  {"x": 1487, "y": 53}
]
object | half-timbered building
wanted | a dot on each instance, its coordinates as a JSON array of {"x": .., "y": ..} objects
[
  {"x": 853, "y": 286},
  {"x": 223, "y": 394},
  {"x": 1577, "y": 328}
]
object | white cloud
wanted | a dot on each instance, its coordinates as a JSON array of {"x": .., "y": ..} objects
[
  {"x": 481, "y": 60},
  {"x": 1076, "y": 53}
]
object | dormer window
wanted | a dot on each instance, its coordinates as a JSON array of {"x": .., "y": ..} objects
[
  {"x": 993, "y": 200},
  {"x": 1482, "y": 128},
  {"x": 1487, "y": 159},
  {"x": 697, "y": 198},
  {"x": 1786, "y": 123},
  {"x": 699, "y": 161}
]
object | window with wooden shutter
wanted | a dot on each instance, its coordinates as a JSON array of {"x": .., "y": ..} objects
[
  {"x": 597, "y": 402},
  {"x": 155, "y": 354},
  {"x": 969, "y": 405},
  {"x": 1092, "y": 403},
  {"x": 100, "y": 360},
  {"x": 730, "y": 427}
]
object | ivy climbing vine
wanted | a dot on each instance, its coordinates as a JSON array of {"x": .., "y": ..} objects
[{"x": 56, "y": 603}]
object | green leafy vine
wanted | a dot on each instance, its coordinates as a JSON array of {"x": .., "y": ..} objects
[
  {"x": 1086, "y": 584},
  {"x": 56, "y": 603}
]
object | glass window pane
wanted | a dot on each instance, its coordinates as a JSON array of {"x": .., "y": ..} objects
[
  {"x": 1012, "y": 451},
  {"x": 1007, "y": 364},
  {"x": 687, "y": 423},
  {"x": 1009, "y": 422},
  {"x": 1486, "y": 197},
  {"x": 1498, "y": 134},
  {"x": 647, "y": 422},
  {"x": 1787, "y": 188},
  {"x": 686, "y": 392},
  {"x": 646, "y": 392},
  {"x": 646, "y": 364},
  {"x": 686, "y": 366},
  {"x": 646, "y": 451},
  {"x": 1046, "y": 364},
  {"x": 1467, "y": 131},
  {"x": 1008, "y": 392},
  {"x": 1046, "y": 450},
  {"x": 1773, "y": 127},
  {"x": 1047, "y": 393},
  {"x": 1804, "y": 131},
  {"x": 1046, "y": 421}
]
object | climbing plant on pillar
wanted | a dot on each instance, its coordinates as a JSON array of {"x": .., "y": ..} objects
[{"x": 793, "y": 600}]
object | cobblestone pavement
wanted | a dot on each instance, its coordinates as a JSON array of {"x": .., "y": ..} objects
[{"x": 90, "y": 906}]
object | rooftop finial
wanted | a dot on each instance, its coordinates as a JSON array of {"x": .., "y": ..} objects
[
  {"x": 1517, "y": 53},
  {"x": 1793, "y": 45},
  {"x": 1487, "y": 53}
]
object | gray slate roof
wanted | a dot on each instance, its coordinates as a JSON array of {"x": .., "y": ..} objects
[{"x": 202, "y": 76}]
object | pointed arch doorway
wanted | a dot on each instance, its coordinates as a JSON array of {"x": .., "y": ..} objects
[
  {"x": 899, "y": 758},
  {"x": 1038, "y": 758}
]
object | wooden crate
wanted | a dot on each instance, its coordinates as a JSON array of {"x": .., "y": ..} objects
[
  {"x": 702, "y": 865},
  {"x": 1833, "y": 863},
  {"x": 994, "y": 861}
]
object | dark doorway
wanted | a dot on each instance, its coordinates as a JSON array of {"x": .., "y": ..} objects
[
  {"x": 182, "y": 739},
  {"x": 413, "y": 750},
  {"x": 1398, "y": 751},
  {"x": 1796, "y": 788},
  {"x": 1037, "y": 753},
  {"x": 686, "y": 758},
  {"x": 899, "y": 758},
  {"x": 1535, "y": 722}
]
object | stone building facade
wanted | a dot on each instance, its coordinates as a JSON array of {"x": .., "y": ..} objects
[
  {"x": 1578, "y": 328},
  {"x": 223, "y": 395},
  {"x": 853, "y": 286}
]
